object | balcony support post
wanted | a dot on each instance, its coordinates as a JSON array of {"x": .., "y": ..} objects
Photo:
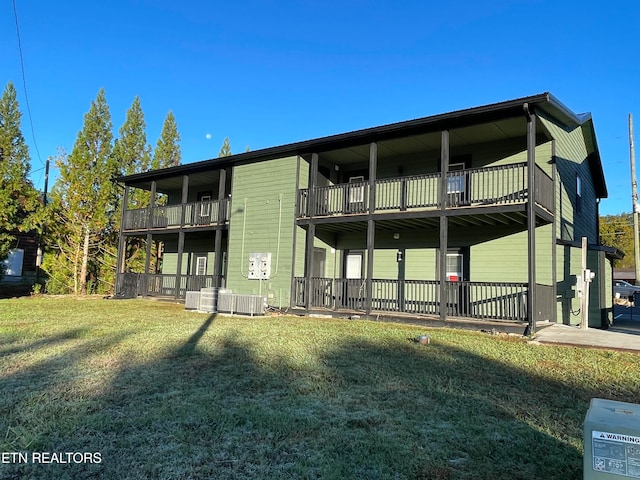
[
  {"x": 147, "y": 258},
  {"x": 152, "y": 204},
  {"x": 531, "y": 220},
  {"x": 294, "y": 251},
  {"x": 313, "y": 180},
  {"x": 371, "y": 224},
  {"x": 121, "y": 258},
  {"x": 444, "y": 225},
  {"x": 179, "y": 263},
  {"x": 554, "y": 251},
  {"x": 311, "y": 230},
  {"x": 308, "y": 263},
  {"x": 217, "y": 259},
  {"x": 185, "y": 197}
]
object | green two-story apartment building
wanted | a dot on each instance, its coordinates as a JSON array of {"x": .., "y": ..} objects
[{"x": 472, "y": 214}]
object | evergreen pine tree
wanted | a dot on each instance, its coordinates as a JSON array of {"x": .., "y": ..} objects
[
  {"x": 83, "y": 200},
  {"x": 167, "y": 152},
  {"x": 18, "y": 198},
  {"x": 131, "y": 149},
  {"x": 225, "y": 150}
]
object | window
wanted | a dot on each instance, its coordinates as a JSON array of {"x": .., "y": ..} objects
[
  {"x": 356, "y": 192},
  {"x": 205, "y": 205},
  {"x": 456, "y": 180},
  {"x": 201, "y": 265},
  {"x": 578, "y": 194}
]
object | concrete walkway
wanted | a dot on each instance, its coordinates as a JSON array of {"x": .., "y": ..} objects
[{"x": 623, "y": 335}]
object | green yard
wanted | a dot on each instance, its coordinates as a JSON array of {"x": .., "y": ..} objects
[{"x": 160, "y": 392}]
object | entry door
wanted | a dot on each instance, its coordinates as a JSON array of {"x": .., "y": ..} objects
[
  {"x": 321, "y": 286},
  {"x": 455, "y": 266},
  {"x": 200, "y": 264},
  {"x": 458, "y": 185},
  {"x": 198, "y": 276},
  {"x": 458, "y": 288},
  {"x": 203, "y": 212},
  {"x": 353, "y": 291},
  {"x": 356, "y": 191}
]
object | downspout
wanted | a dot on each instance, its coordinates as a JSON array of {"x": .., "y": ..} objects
[
  {"x": 598, "y": 241},
  {"x": 244, "y": 226}
]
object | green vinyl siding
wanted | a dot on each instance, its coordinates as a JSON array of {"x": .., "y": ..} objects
[
  {"x": 501, "y": 260},
  {"x": 301, "y": 238},
  {"x": 505, "y": 259},
  {"x": 419, "y": 264},
  {"x": 170, "y": 263},
  {"x": 262, "y": 213},
  {"x": 191, "y": 248},
  {"x": 385, "y": 265},
  {"x": 569, "y": 266},
  {"x": 571, "y": 161}
]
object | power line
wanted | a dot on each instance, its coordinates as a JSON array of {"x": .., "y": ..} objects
[{"x": 24, "y": 82}]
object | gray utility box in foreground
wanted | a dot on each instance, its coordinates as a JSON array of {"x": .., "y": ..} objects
[{"x": 611, "y": 440}]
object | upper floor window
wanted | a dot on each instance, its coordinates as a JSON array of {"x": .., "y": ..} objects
[{"x": 578, "y": 194}]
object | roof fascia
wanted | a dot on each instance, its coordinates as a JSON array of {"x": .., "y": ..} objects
[{"x": 450, "y": 120}]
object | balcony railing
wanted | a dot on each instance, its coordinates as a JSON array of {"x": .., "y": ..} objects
[
  {"x": 498, "y": 185},
  {"x": 163, "y": 285},
  {"x": 213, "y": 212},
  {"x": 481, "y": 300}
]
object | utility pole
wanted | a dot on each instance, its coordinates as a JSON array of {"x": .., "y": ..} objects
[
  {"x": 46, "y": 181},
  {"x": 634, "y": 196},
  {"x": 40, "y": 251}
]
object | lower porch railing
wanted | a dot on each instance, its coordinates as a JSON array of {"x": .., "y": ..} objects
[
  {"x": 483, "y": 300},
  {"x": 163, "y": 285}
]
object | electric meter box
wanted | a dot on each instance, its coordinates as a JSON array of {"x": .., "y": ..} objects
[
  {"x": 259, "y": 266},
  {"x": 611, "y": 440}
]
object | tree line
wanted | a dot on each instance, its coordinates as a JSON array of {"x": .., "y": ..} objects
[
  {"x": 79, "y": 224},
  {"x": 617, "y": 231}
]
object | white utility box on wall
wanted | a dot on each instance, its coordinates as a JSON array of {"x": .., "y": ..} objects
[
  {"x": 611, "y": 440},
  {"x": 259, "y": 266}
]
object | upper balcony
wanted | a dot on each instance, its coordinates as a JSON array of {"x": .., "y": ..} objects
[
  {"x": 475, "y": 187},
  {"x": 208, "y": 213}
]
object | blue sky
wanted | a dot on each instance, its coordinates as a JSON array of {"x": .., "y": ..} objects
[{"x": 266, "y": 73}]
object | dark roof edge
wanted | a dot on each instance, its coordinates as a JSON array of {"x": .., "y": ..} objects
[
  {"x": 612, "y": 252},
  {"x": 595, "y": 162},
  {"x": 506, "y": 108},
  {"x": 556, "y": 109}
]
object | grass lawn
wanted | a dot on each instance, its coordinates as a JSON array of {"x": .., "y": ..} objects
[{"x": 160, "y": 392}]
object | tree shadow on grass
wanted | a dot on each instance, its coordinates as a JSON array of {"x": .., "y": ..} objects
[
  {"x": 11, "y": 346},
  {"x": 37, "y": 401},
  {"x": 219, "y": 406}
]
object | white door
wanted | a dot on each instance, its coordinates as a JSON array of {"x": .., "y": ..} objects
[
  {"x": 201, "y": 265},
  {"x": 454, "y": 267},
  {"x": 353, "y": 266}
]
